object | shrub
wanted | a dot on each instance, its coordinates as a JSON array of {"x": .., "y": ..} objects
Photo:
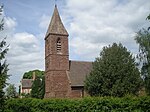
[{"x": 97, "y": 104}]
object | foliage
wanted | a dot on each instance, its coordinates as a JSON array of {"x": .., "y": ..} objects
[
  {"x": 2, "y": 19},
  {"x": 97, "y": 104},
  {"x": 19, "y": 92},
  {"x": 143, "y": 39},
  {"x": 11, "y": 91},
  {"x": 114, "y": 73},
  {"x": 148, "y": 18},
  {"x": 38, "y": 88},
  {"x": 24, "y": 95},
  {"x": 3, "y": 64},
  {"x": 28, "y": 75}
]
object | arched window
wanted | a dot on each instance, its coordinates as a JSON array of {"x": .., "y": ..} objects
[{"x": 58, "y": 45}]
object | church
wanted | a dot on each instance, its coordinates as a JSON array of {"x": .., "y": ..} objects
[{"x": 64, "y": 78}]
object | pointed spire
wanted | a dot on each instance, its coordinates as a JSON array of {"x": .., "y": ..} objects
[{"x": 56, "y": 26}]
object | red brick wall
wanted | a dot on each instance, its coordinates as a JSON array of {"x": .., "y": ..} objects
[
  {"x": 57, "y": 84},
  {"x": 51, "y": 41},
  {"x": 77, "y": 92},
  {"x": 56, "y": 66}
]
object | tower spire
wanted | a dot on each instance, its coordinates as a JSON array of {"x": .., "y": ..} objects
[
  {"x": 56, "y": 59},
  {"x": 56, "y": 26}
]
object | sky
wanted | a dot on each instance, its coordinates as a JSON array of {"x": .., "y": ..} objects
[{"x": 91, "y": 25}]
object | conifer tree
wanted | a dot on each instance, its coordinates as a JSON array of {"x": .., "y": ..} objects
[
  {"x": 114, "y": 73},
  {"x": 3, "y": 64},
  {"x": 38, "y": 88}
]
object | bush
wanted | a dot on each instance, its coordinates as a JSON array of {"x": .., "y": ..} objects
[
  {"x": 114, "y": 73},
  {"x": 97, "y": 104}
]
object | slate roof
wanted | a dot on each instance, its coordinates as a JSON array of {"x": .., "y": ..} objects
[
  {"x": 78, "y": 71},
  {"x": 27, "y": 83},
  {"x": 56, "y": 26}
]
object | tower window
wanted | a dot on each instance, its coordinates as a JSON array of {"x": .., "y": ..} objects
[{"x": 58, "y": 45}]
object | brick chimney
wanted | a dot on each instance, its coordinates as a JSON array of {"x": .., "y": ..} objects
[{"x": 33, "y": 76}]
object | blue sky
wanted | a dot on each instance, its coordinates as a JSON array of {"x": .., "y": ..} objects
[
  {"x": 91, "y": 25},
  {"x": 28, "y": 13}
]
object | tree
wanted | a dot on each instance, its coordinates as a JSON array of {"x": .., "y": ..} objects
[
  {"x": 148, "y": 18},
  {"x": 11, "y": 91},
  {"x": 38, "y": 88},
  {"x": 29, "y": 74},
  {"x": 143, "y": 39},
  {"x": 3, "y": 64},
  {"x": 114, "y": 73}
]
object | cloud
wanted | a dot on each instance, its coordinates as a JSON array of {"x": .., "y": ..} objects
[
  {"x": 97, "y": 23},
  {"x": 9, "y": 27},
  {"x": 10, "y": 23},
  {"x": 44, "y": 21},
  {"x": 25, "y": 52},
  {"x": 91, "y": 25},
  {"x": 23, "y": 44}
]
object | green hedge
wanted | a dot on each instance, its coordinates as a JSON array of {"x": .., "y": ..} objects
[{"x": 98, "y": 104}]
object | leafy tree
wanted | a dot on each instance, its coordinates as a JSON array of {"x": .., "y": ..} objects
[
  {"x": 11, "y": 91},
  {"x": 143, "y": 39},
  {"x": 28, "y": 75},
  {"x": 3, "y": 64},
  {"x": 38, "y": 88},
  {"x": 114, "y": 73}
]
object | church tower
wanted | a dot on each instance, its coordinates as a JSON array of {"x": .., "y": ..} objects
[{"x": 56, "y": 58}]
